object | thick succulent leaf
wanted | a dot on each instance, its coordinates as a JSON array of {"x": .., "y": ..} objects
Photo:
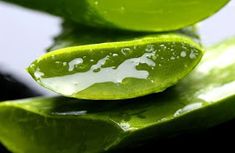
[
  {"x": 60, "y": 125},
  {"x": 76, "y": 34},
  {"x": 118, "y": 70},
  {"x": 148, "y": 15}
]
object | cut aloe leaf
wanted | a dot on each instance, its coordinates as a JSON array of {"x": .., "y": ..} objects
[
  {"x": 203, "y": 99},
  {"x": 74, "y": 35},
  {"x": 149, "y": 15},
  {"x": 118, "y": 70}
]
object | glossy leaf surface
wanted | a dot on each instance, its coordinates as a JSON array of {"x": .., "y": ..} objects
[
  {"x": 60, "y": 125},
  {"x": 118, "y": 70},
  {"x": 136, "y": 15}
]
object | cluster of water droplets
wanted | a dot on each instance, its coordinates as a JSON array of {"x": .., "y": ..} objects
[{"x": 99, "y": 72}]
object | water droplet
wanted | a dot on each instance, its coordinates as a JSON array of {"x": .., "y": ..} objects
[
  {"x": 74, "y": 63},
  {"x": 183, "y": 54},
  {"x": 74, "y": 83},
  {"x": 115, "y": 55},
  {"x": 150, "y": 48},
  {"x": 75, "y": 113},
  {"x": 38, "y": 74},
  {"x": 64, "y": 63},
  {"x": 125, "y": 126},
  {"x": 188, "y": 108},
  {"x": 192, "y": 55},
  {"x": 125, "y": 51}
]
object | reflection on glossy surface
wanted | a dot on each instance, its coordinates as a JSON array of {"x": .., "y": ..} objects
[
  {"x": 121, "y": 123},
  {"x": 220, "y": 63},
  {"x": 188, "y": 108},
  {"x": 149, "y": 15},
  {"x": 71, "y": 84},
  {"x": 118, "y": 70},
  {"x": 214, "y": 94},
  {"x": 74, "y": 63}
]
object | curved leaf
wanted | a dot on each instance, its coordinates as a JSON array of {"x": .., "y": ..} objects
[
  {"x": 148, "y": 15},
  {"x": 60, "y": 125},
  {"x": 118, "y": 70}
]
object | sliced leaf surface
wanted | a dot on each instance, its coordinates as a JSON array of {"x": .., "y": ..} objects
[
  {"x": 60, "y": 125},
  {"x": 118, "y": 70}
]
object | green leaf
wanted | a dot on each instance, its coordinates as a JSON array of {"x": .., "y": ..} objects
[
  {"x": 118, "y": 70},
  {"x": 203, "y": 99},
  {"x": 148, "y": 15},
  {"x": 76, "y": 34}
]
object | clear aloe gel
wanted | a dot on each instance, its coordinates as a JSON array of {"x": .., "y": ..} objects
[
  {"x": 203, "y": 99},
  {"x": 135, "y": 15},
  {"x": 118, "y": 70}
]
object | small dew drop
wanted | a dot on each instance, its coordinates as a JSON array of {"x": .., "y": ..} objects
[
  {"x": 74, "y": 63},
  {"x": 125, "y": 51},
  {"x": 38, "y": 74},
  {"x": 75, "y": 113},
  {"x": 188, "y": 108},
  {"x": 115, "y": 55},
  {"x": 192, "y": 55},
  {"x": 64, "y": 63},
  {"x": 150, "y": 48},
  {"x": 183, "y": 54},
  {"x": 163, "y": 46}
]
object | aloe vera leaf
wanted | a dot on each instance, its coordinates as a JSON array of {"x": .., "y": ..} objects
[
  {"x": 149, "y": 15},
  {"x": 118, "y": 70},
  {"x": 77, "y": 34},
  {"x": 203, "y": 99}
]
